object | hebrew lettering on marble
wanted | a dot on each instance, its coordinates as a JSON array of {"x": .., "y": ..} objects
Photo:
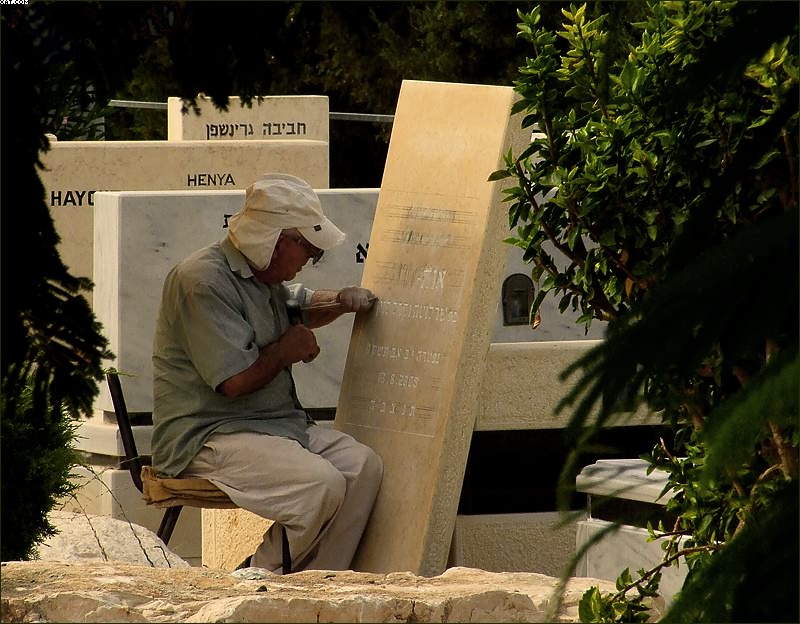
[
  {"x": 244, "y": 130},
  {"x": 361, "y": 253},
  {"x": 228, "y": 130},
  {"x": 283, "y": 128}
]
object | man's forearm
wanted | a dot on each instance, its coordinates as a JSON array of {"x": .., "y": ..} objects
[
  {"x": 318, "y": 318},
  {"x": 351, "y": 298}
]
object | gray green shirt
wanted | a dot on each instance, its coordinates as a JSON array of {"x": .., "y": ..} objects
[{"x": 214, "y": 317}]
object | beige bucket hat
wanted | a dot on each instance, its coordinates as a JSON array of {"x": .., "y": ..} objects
[{"x": 275, "y": 202}]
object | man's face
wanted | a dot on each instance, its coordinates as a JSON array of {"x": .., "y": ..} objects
[{"x": 292, "y": 253}]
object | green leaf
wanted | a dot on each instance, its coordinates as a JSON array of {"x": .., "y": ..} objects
[
  {"x": 500, "y": 174},
  {"x": 608, "y": 238},
  {"x": 629, "y": 77},
  {"x": 624, "y": 579},
  {"x": 529, "y": 120},
  {"x": 513, "y": 214},
  {"x": 520, "y": 105},
  {"x": 551, "y": 180},
  {"x": 586, "y": 612},
  {"x": 572, "y": 235},
  {"x": 532, "y": 148},
  {"x": 766, "y": 159}
]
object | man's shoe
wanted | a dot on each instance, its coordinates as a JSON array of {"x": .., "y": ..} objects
[{"x": 245, "y": 564}]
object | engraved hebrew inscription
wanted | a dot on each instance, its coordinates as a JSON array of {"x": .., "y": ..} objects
[{"x": 418, "y": 273}]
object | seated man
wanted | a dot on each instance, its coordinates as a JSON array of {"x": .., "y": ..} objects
[{"x": 225, "y": 403}]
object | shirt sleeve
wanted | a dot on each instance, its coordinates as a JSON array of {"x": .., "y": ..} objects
[
  {"x": 217, "y": 338},
  {"x": 300, "y": 293}
]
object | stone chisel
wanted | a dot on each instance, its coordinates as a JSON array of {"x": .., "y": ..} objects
[{"x": 295, "y": 310}]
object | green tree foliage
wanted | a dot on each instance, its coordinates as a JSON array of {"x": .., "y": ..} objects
[
  {"x": 356, "y": 53},
  {"x": 665, "y": 170},
  {"x": 365, "y": 50},
  {"x": 53, "y": 347},
  {"x": 37, "y": 461}
]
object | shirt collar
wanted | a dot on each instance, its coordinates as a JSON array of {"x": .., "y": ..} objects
[{"x": 236, "y": 259}]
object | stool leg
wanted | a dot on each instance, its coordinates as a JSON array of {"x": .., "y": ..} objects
[
  {"x": 168, "y": 523},
  {"x": 287, "y": 556}
]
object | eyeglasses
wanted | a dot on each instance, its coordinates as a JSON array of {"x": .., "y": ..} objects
[{"x": 313, "y": 252}]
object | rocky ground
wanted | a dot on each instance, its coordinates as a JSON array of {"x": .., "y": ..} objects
[{"x": 70, "y": 587}]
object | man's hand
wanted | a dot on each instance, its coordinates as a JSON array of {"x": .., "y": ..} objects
[
  {"x": 356, "y": 299},
  {"x": 328, "y": 305},
  {"x": 298, "y": 344}
]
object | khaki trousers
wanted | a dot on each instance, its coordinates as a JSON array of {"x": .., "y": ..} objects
[{"x": 322, "y": 496}]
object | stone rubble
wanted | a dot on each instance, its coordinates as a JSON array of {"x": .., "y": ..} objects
[
  {"x": 84, "y": 588},
  {"x": 81, "y": 537}
]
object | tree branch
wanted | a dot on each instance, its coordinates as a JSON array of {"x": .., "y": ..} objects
[
  {"x": 664, "y": 564},
  {"x": 785, "y": 450},
  {"x": 600, "y": 301}
]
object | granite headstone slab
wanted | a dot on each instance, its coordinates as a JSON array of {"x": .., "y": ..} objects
[{"x": 416, "y": 361}]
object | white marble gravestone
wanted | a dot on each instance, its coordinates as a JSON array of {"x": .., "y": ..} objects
[
  {"x": 284, "y": 117},
  {"x": 416, "y": 361},
  {"x": 141, "y": 235},
  {"x": 76, "y": 170}
]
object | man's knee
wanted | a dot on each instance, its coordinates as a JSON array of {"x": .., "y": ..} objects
[
  {"x": 332, "y": 487},
  {"x": 371, "y": 466}
]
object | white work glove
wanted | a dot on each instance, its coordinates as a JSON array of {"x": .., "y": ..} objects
[{"x": 356, "y": 299}]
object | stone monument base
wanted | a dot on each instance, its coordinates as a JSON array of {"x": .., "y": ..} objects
[{"x": 518, "y": 542}]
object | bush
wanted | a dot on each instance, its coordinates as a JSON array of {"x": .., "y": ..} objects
[
  {"x": 664, "y": 167},
  {"x": 37, "y": 460}
]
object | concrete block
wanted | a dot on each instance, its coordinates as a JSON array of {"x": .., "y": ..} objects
[
  {"x": 230, "y": 535},
  {"x": 524, "y": 542},
  {"x": 521, "y": 387},
  {"x": 627, "y": 547},
  {"x": 624, "y": 478}
]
